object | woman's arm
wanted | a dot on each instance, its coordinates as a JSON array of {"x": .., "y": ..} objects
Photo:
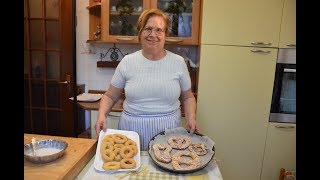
[
  {"x": 189, "y": 104},
  {"x": 110, "y": 97}
]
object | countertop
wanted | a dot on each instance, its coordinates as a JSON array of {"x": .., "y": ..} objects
[
  {"x": 150, "y": 171},
  {"x": 117, "y": 107},
  {"x": 77, "y": 155}
]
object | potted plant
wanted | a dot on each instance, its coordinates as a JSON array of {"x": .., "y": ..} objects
[{"x": 175, "y": 8}]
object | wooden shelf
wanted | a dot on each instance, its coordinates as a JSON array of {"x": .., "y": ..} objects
[
  {"x": 94, "y": 6},
  {"x": 95, "y": 41},
  {"x": 112, "y": 64},
  {"x": 132, "y": 14}
]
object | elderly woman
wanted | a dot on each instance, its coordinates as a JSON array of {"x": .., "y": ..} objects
[{"x": 153, "y": 79}]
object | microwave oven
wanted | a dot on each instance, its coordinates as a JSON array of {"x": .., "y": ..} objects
[{"x": 283, "y": 105}]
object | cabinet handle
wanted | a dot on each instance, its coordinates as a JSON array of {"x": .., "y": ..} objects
[
  {"x": 261, "y": 43},
  {"x": 174, "y": 40},
  {"x": 291, "y": 45},
  {"x": 124, "y": 39},
  {"x": 259, "y": 51},
  {"x": 289, "y": 70},
  {"x": 114, "y": 115},
  {"x": 284, "y": 127}
]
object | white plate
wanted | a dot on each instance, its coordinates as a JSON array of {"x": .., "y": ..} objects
[
  {"x": 98, "y": 162},
  {"x": 88, "y": 97}
]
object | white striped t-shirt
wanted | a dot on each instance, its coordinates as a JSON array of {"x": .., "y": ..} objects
[{"x": 151, "y": 87}]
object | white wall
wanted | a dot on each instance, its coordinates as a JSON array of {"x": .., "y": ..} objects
[{"x": 88, "y": 54}]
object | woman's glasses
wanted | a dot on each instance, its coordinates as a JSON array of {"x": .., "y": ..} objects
[{"x": 158, "y": 31}]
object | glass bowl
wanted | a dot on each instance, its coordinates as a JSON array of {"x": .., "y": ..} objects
[{"x": 45, "y": 150}]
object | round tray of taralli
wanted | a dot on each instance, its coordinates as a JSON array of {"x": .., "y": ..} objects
[{"x": 171, "y": 155}]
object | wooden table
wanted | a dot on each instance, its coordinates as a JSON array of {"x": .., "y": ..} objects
[
  {"x": 148, "y": 168},
  {"x": 77, "y": 155}
]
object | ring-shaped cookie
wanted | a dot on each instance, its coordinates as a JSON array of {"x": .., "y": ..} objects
[
  {"x": 117, "y": 155},
  {"x": 105, "y": 146},
  {"x": 179, "y": 142},
  {"x": 111, "y": 165},
  {"x": 178, "y": 160},
  {"x": 118, "y": 146},
  {"x": 130, "y": 142},
  {"x": 108, "y": 155},
  {"x": 134, "y": 148},
  {"x": 119, "y": 138},
  {"x": 200, "y": 149},
  {"x": 108, "y": 139},
  {"x": 127, "y": 163},
  {"x": 162, "y": 152},
  {"x": 126, "y": 152}
]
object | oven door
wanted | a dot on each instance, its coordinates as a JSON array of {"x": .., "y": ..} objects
[{"x": 283, "y": 105}]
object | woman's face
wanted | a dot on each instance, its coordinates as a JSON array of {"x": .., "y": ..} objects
[{"x": 153, "y": 34}]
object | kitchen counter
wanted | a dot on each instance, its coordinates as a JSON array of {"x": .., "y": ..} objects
[
  {"x": 150, "y": 171},
  {"x": 77, "y": 155},
  {"x": 117, "y": 107}
]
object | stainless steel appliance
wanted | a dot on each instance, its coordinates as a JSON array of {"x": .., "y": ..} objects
[{"x": 283, "y": 105}]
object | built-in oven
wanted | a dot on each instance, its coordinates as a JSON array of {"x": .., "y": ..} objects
[{"x": 283, "y": 105}]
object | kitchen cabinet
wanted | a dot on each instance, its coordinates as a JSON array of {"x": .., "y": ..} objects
[
  {"x": 242, "y": 23},
  {"x": 94, "y": 9},
  {"x": 107, "y": 23},
  {"x": 280, "y": 151},
  {"x": 288, "y": 25},
  {"x": 233, "y": 105}
]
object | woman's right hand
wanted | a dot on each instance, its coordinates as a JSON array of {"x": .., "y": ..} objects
[
  {"x": 101, "y": 124},
  {"x": 110, "y": 97}
]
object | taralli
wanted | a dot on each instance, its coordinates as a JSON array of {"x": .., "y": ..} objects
[
  {"x": 105, "y": 146},
  {"x": 118, "y": 146},
  {"x": 117, "y": 155},
  {"x": 126, "y": 152},
  {"x": 127, "y": 163},
  {"x": 162, "y": 152},
  {"x": 189, "y": 164},
  {"x": 200, "y": 149},
  {"x": 108, "y": 155},
  {"x": 117, "y": 149},
  {"x": 130, "y": 142},
  {"x": 119, "y": 138},
  {"x": 108, "y": 139},
  {"x": 111, "y": 165},
  {"x": 179, "y": 142},
  {"x": 108, "y": 136},
  {"x": 134, "y": 148}
]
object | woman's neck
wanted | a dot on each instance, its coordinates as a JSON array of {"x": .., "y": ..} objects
[{"x": 154, "y": 55}]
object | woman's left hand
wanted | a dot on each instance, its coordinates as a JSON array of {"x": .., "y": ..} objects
[{"x": 192, "y": 126}]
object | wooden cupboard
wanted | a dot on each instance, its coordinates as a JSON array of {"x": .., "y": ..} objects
[
  {"x": 280, "y": 150},
  {"x": 233, "y": 105},
  {"x": 241, "y": 23},
  {"x": 288, "y": 25},
  {"x": 117, "y": 26},
  {"x": 238, "y": 52}
]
